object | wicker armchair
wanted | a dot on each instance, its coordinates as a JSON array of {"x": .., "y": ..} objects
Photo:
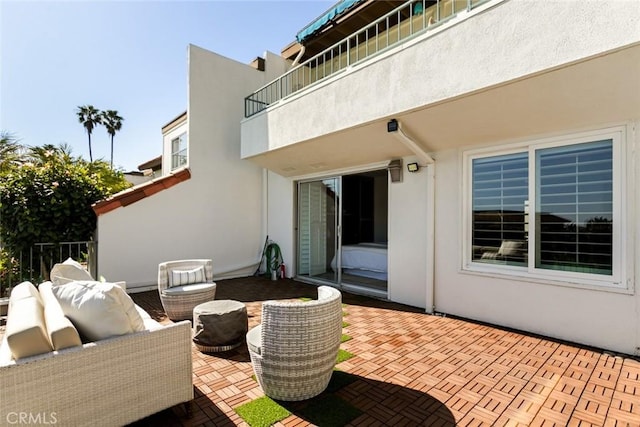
[
  {"x": 179, "y": 298},
  {"x": 294, "y": 350}
]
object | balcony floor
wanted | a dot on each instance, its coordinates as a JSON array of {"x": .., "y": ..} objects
[{"x": 413, "y": 368}]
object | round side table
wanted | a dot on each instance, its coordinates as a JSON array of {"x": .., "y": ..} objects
[{"x": 219, "y": 325}]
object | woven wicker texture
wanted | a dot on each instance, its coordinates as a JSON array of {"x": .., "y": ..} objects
[
  {"x": 300, "y": 342},
  {"x": 111, "y": 382},
  {"x": 181, "y": 306}
]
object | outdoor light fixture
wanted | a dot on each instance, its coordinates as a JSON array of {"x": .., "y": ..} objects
[
  {"x": 392, "y": 125},
  {"x": 395, "y": 170},
  {"x": 413, "y": 167}
]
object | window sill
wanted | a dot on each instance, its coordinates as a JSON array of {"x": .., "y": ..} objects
[{"x": 524, "y": 276}]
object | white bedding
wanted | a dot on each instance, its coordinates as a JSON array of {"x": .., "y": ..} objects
[{"x": 364, "y": 259}]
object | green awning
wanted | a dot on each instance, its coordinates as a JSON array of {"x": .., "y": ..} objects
[{"x": 324, "y": 19}]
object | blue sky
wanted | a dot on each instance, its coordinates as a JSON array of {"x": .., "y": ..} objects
[{"x": 128, "y": 56}]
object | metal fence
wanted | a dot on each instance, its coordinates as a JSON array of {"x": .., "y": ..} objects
[{"x": 35, "y": 264}]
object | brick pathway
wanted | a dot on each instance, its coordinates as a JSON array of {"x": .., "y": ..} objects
[{"x": 418, "y": 369}]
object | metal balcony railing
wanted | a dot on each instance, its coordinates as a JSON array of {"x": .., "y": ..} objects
[
  {"x": 407, "y": 20},
  {"x": 35, "y": 264}
]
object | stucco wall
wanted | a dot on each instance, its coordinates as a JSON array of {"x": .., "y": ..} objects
[
  {"x": 218, "y": 212},
  {"x": 281, "y": 219},
  {"x": 408, "y": 240},
  {"x": 601, "y": 318}
]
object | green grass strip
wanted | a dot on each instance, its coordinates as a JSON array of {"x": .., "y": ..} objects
[
  {"x": 343, "y": 355},
  {"x": 262, "y": 412},
  {"x": 345, "y": 338},
  {"x": 344, "y": 324}
]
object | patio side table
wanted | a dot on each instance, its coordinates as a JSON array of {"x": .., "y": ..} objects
[{"x": 219, "y": 325}]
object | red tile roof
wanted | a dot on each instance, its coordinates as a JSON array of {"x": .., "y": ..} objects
[{"x": 139, "y": 192}]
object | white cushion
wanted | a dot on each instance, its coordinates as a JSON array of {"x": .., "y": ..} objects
[
  {"x": 26, "y": 332},
  {"x": 25, "y": 290},
  {"x": 187, "y": 277},
  {"x": 99, "y": 310},
  {"x": 195, "y": 288},
  {"x": 143, "y": 314},
  {"x": 511, "y": 248},
  {"x": 122, "y": 284},
  {"x": 149, "y": 323},
  {"x": 5, "y": 353},
  {"x": 68, "y": 271},
  {"x": 254, "y": 339},
  {"x": 62, "y": 334}
]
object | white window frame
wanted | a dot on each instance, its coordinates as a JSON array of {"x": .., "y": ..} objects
[
  {"x": 183, "y": 135},
  {"x": 622, "y": 271}
]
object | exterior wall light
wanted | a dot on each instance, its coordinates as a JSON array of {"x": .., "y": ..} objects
[
  {"x": 395, "y": 170},
  {"x": 392, "y": 125},
  {"x": 413, "y": 167}
]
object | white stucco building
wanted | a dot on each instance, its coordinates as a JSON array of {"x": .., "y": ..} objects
[{"x": 520, "y": 122}]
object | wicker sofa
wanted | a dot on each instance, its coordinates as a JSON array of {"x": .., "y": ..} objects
[{"x": 109, "y": 382}]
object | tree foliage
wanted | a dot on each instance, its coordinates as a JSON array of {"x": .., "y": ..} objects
[
  {"x": 47, "y": 197},
  {"x": 9, "y": 151}
]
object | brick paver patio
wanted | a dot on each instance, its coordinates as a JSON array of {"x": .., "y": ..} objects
[
  {"x": 417, "y": 369},
  {"x": 412, "y": 368}
]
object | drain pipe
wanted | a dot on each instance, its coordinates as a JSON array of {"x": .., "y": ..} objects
[
  {"x": 298, "y": 57},
  {"x": 394, "y": 127},
  {"x": 431, "y": 232}
]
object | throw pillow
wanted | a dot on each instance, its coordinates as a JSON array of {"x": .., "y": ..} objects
[
  {"x": 187, "y": 277},
  {"x": 25, "y": 290},
  {"x": 98, "y": 310},
  {"x": 26, "y": 332},
  {"x": 62, "y": 333},
  {"x": 68, "y": 271}
]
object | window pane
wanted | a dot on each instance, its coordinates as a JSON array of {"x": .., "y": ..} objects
[
  {"x": 500, "y": 200},
  {"x": 179, "y": 151},
  {"x": 575, "y": 208}
]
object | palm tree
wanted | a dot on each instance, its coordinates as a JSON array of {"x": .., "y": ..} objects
[
  {"x": 89, "y": 117},
  {"x": 9, "y": 150},
  {"x": 113, "y": 122},
  {"x": 40, "y": 155},
  {"x": 49, "y": 152}
]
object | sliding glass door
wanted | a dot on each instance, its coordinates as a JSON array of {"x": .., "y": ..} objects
[
  {"x": 342, "y": 231},
  {"x": 318, "y": 225}
]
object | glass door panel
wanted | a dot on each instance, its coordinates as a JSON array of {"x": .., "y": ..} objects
[{"x": 318, "y": 212}]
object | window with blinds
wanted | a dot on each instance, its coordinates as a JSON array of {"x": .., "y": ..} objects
[
  {"x": 499, "y": 197},
  {"x": 549, "y": 209},
  {"x": 574, "y": 208}
]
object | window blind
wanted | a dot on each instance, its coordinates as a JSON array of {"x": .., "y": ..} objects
[
  {"x": 499, "y": 199},
  {"x": 574, "y": 208}
]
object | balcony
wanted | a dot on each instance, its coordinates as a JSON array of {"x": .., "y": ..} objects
[
  {"x": 400, "y": 24},
  {"x": 492, "y": 71}
]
